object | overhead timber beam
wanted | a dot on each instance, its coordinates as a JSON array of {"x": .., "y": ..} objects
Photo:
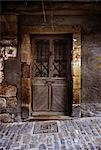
[{"x": 56, "y": 8}]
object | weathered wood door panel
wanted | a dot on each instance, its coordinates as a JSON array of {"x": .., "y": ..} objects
[
  {"x": 51, "y": 72},
  {"x": 40, "y": 95},
  {"x": 59, "y": 97}
]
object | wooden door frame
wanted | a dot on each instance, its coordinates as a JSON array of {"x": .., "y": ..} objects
[{"x": 26, "y": 58}]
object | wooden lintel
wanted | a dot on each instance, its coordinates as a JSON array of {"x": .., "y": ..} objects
[
  {"x": 50, "y": 30},
  {"x": 56, "y": 13}
]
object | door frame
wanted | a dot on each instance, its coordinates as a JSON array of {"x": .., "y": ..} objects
[{"x": 26, "y": 57}]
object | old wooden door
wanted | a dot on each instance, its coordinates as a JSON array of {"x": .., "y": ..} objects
[{"x": 51, "y": 73}]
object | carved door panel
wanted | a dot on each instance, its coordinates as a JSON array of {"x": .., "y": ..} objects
[{"x": 50, "y": 72}]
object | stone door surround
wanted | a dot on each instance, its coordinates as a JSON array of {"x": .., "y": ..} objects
[{"x": 26, "y": 31}]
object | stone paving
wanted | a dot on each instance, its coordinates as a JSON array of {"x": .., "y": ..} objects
[{"x": 75, "y": 134}]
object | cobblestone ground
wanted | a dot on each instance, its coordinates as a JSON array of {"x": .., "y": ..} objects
[{"x": 76, "y": 134}]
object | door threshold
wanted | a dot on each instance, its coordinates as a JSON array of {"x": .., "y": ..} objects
[
  {"x": 48, "y": 117},
  {"x": 49, "y": 113}
]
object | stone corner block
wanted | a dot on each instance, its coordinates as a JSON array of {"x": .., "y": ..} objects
[{"x": 76, "y": 110}]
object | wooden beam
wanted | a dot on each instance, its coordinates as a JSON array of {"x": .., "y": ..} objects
[
  {"x": 49, "y": 30},
  {"x": 58, "y": 8}
]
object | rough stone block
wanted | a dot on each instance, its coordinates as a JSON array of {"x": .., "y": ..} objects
[
  {"x": 11, "y": 105},
  {"x": 2, "y": 103},
  {"x": 11, "y": 102},
  {"x": 1, "y": 64},
  {"x": 7, "y": 90},
  {"x": 1, "y": 76},
  {"x": 5, "y": 117},
  {"x": 76, "y": 110}
]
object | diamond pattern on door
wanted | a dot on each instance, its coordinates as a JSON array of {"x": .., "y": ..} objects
[
  {"x": 41, "y": 68},
  {"x": 60, "y": 58}
]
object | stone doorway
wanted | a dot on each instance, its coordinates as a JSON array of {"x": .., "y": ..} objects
[{"x": 26, "y": 59}]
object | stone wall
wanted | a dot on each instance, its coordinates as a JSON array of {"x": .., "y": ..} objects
[
  {"x": 8, "y": 92},
  {"x": 8, "y": 103},
  {"x": 91, "y": 57},
  {"x": 10, "y": 70}
]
